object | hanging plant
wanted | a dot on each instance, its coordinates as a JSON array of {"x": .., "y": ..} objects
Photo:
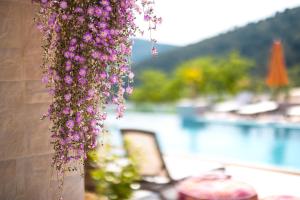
[{"x": 86, "y": 66}]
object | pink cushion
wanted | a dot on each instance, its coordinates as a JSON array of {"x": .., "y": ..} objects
[
  {"x": 222, "y": 189},
  {"x": 284, "y": 197}
]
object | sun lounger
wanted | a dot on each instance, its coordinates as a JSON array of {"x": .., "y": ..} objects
[
  {"x": 152, "y": 167},
  {"x": 240, "y": 100},
  {"x": 293, "y": 111},
  {"x": 258, "y": 108}
]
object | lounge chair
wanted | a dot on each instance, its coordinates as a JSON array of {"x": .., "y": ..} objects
[
  {"x": 152, "y": 167},
  {"x": 240, "y": 100},
  {"x": 258, "y": 108},
  {"x": 293, "y": 111}
]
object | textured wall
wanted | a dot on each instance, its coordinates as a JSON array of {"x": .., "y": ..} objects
[{"x": 25, "y": 153}]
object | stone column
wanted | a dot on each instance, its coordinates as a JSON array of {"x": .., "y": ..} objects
[{"x": 25, "y": 152}]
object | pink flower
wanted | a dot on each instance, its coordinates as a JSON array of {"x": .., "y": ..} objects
[
  {"x": 91, "y": 92},
  {"x": 131, "y": 75},
  {"x": 154, "y": 51},
  {"x": 45, "y": 79},
  {"x": 113, "y": 79},
  {"x": 63, "y": 4},
  {"x": 70, "y": 124},
  {"x": 129, "y": 90},
  {"x": 93, "y": 123},
  {"x": 90, "y": 109},
  {"x": 78, "y": 118},
  {"x": 68, "y": 80},
  {"x": 67, "y": 97},
  {"x": 98, "y": 12},
  {"x": 103, "y": 75},
  {"x": 82, "y": 72},
  {"x": 87, "y": 37},
  {"x": 67, "y": 110},
  {"x": 90, "y": 10}
]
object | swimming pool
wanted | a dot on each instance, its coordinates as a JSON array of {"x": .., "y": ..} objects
[{"x": 268, "y": 144}]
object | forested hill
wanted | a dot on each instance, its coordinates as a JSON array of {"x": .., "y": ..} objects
[{"x": 253, "y": 41}]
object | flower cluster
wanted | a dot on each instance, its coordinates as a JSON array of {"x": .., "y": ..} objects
[{"x": 86, "y": 66}]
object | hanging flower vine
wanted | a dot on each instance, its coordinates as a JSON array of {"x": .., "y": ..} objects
[{"x": 86, "y": 66}]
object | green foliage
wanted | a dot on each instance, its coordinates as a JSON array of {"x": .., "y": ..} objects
[
  {"x": 200, "y": 76},
  {"x": 294, "y": 74},
  {"x": 154, "y": 87},
  {"x": 114, "y": 175},
  {"x": 252, "y": 41}
]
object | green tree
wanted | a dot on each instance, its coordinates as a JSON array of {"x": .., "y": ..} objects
[
  {"x": 294, "y": 74},
  {"x": 155, "y": 87},
  {"x": 214, "y": 76}
]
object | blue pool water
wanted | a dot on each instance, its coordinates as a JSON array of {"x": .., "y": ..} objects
[{"x": 267, "y": 144}]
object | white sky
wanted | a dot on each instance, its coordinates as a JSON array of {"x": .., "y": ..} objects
[{"x": 189, "y": 21}]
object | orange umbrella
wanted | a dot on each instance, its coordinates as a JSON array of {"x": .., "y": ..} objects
[{"x": 277, "y": 75}]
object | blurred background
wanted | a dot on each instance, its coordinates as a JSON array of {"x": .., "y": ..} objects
[
  {"x": 224, "y": 86},
  {"x": 225, "y": 83}
]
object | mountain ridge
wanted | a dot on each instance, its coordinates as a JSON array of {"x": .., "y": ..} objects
[{"x": 253, "y": 40}]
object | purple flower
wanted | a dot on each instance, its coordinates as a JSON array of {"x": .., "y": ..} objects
[
  {"x": 52, "y": 19},
  {"x": 63, "y": 4},
  {"x": 73, "y": 41},
  {"x": 78, "y": 10},
  {"x": 154, "y": 51},
  {"x": 82, "y": 60},
  {"x": 96, "y": 54},
  {"x": 76, "y": 137},
  {"x": 108, "y": 8},
  {"x": 98, "y": 40},
  {"x": 70, "y": 124},
  {"x": 113, "y": 79},
  {"x": 124, "y": 69},
  {"x": 87, "y": 37},
  {"x": 98, "y": 12},
  {"x": 45, "y": 79},
  {"x": 147, "y": 17},
  {"x": 64, "y": 17},
  {"x": 129, "y": 90},
  {"x": 104, "y": 2},
  {"x": 103, "y": 75},
  {"x": 68, "y": 63},
  {"x": 67, "y": 97},
  {"x": 68, "y": 80},
  {"x": 90, "y": 11},
  {"x": 67, "y": 54},
  {"x": 80, "y": 19},
  {"x": 72, "y": 48},
  {"x": 57, "y": 28},
  {"x": 90, "y": 109},
  {"x": 91, "y": 92},
  {"x": 71, "y": 55},
  {"x": 82, "y": 72},
  {"x": 102, "y": 25},
  {"x": 77, "y": 57},
  {"x": 67, "y": 110},
  {"x": 104, "y": 33},
  {"x": 78, "y": 118},
  {"x": 131, "y": 75},
  {"x": 82, "y": 81},
  {"x": 93, "y": 123}
]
